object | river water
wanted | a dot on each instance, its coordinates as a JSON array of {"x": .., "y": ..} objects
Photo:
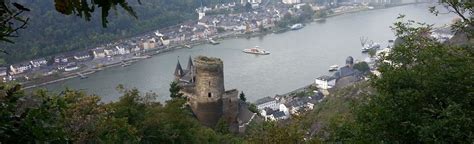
[{"x": 296, "y": 59}]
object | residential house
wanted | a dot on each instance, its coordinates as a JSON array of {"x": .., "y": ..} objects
[
  {"x": 3, "y": 71},
  {"x": 38, "y": 62},
  {"x": 110, "y": 52},
  {"x": 121, "y": 50},
  {"x": 61, "y": 59},
  {"x": 165, "y": 40},
  {"x": 20, "y": 68},
  {"x": 325, "y": 82},
  {"x": 82, "y": 56},
  {"x": 71, "y": 67},
  {"x": 267, "y": 102},
  {"x": 98, "y": 53},
  {"x": 149, "y": 44},
  {"x": 279, "y": 115}
]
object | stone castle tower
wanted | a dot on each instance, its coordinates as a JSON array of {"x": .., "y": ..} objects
[{"x": 203, "y": 85}]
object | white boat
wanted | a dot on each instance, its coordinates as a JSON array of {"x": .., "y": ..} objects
[
  {"x": 256, "y": 50},
  {"x": 213, "y": 41},
  {"x": 187, "y": 46},
  {"x": 333, "y": 67},
  {"x": 370, "y": 46},
  {"x": 296, "y": 26}
]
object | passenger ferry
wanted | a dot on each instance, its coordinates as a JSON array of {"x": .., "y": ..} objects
[{"x": 256, "y": 50}]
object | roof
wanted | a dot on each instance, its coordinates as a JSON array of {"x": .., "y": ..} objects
[
  {"x": 295, "y": 103},
  {"x": 325, "y": 78},
  {"x": 346, "y": 71},
  {"x": 190, "y": 63},
  {"x": 278, "y": 114},
  {"x": 179, "y": 70},
  {"x": 269, "y": 111},
  {"x": 244, "y": 113},
  {"x": 264, "y": 100}
]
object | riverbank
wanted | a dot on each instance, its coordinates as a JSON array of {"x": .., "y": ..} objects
[{"x": 179, "y": 46}]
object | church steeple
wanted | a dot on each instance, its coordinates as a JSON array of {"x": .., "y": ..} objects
[
  {"x": 178, "y": 72},
  {"x": 190, "y": 64}
]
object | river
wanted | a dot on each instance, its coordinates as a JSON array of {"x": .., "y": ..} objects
[{"x": 297, "y": 57}]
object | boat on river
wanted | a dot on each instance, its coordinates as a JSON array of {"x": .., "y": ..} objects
[
  {"x": 213, "y": 41},
  {"x": 370, "y": 46},
  {"x": 333, "y": 68},
  {"x": 256, "y": 50},
  {"x": 296, "y": 26}
]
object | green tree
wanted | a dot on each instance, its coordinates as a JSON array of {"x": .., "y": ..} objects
[
  {"x": 372, "y": 52},
  {"x": 222, "y": 127},
  {"x": 175, "y": 90},
  {"x": 242, "y": 96},
  {"x": 362, "y": 67},
  {"x": 424, "y": 94},
  {"x": 274, "y": 132},
  {"x": 253, "y": 108},
  {"x": 12, "y": 19}
]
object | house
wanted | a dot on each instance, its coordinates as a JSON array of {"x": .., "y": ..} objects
[
  {"x": 325, "y": 82},
  {"x": 165, "y": 40},
  {"x": 149, "y": 44},
  {"x": 111, "y": 52},
  {"x": 71, "y": 67},
  {"x": 267, "y": 102},
  {"x": 302, "y": 103},
  {"x": 267, "y": 113},
  {"x": 347, "y": 75},
  {"x": 20, "y": 68},
  {"x": 3, "y": 71},
  {"x": 61, "y": 59},
  {"x": 98, "y": 53},
  {"x": 38, "y": 62},
  {"x": 122, "y": 50},
  {"x": 82, "y": 56},
  {"x": 279, "y": 115}
]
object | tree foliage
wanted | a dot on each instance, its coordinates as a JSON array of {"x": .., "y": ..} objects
[
  {"x": 50, "y": 32},
  {"x": 363, "y": 67},
  {"x": 242, "y": 96},
  {"x": 424, "y": 94},
  {"x": 75, "y": 117},
  {"x": 175, "y": 90}
]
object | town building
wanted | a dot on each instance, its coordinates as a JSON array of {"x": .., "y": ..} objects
[
  {"x": 325, "y": 82},
  {"x": 291, "y": 1},
  {"x": 347, "y": 75},
  {"x": 82, "y": 56},
  {"x": 250, "y": 1},
  {"x": 38, "y": 62},
  {"x": 98, "y": 53},
  {"x": 20, "y": 68},
  {"x": 267, "y": 102}
]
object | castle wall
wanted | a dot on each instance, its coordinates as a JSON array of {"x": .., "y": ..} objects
[{"x": 230, "y": 109}]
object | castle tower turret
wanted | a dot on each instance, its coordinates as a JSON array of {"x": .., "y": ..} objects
[
  {"x": 209, "y": 90},
  {"x": 178, "y": 72}
]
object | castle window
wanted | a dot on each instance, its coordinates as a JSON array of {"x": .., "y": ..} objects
[{"x": 208, "y": 94}]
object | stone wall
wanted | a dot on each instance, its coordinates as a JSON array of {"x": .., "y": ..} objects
[{"x": 208, "y": 91}]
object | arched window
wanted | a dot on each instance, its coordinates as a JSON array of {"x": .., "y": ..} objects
[{"x": 208, "y": 94}]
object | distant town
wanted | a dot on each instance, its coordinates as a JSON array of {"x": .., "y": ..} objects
[{"x": 213, "y": 24}]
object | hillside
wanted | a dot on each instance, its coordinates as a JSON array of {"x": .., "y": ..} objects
[{"x": 50, "y": 32}]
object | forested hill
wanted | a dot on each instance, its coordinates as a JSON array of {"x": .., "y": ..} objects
[{"x": 50, "y": 32}]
